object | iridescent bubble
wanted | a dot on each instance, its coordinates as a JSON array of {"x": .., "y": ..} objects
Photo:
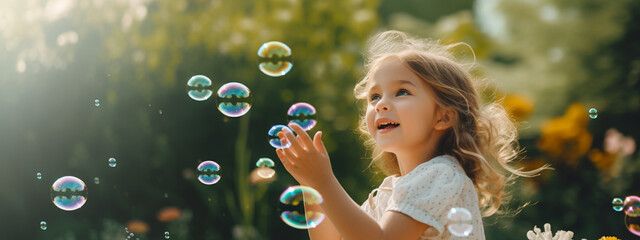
[
  {"x": 617, "y": 204},
  {"x": 96, "y": 102},
  {"x": 593, "y": 113},
  {"x": 166, "y": 235},
  {"x": 265, "y": 168},
  {"x": 43, "y": 225},
  {"x": 69, "y": 193},
  {"x": 96, "y": 180},
  {"x": 208, "y": 172},
  {"x": 303, "y": 114},
  {"x": 274, "y": 140},
  {"x": 274, "y": 59},
  {"x": 294, "y": 196},
  {"x": 632, "y": 224},
  {"x": 459, "y": 222},
  {"x": 39, "y": 176},
  {"x": 199, "y": 88},
  {"x": 234, "y": 99},
  {"x": 112, "y": 162},
  {"x": 265, "y": 162},
  {"x": 631, "y": 206}
]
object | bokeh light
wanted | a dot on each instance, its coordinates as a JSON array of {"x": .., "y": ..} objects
[
  {"x": 137, "y": 226},
  {"x": 459, "y": 222},
  {"x": 168, "y": 214},
  {"x": 296, "y": 196},
  {"x": 303, "y": 114},
  {"x": 69, "y": 193},
  {"x": 234, "y": 99},
  {"x": 274, "y": 59},
  {"x": 274, "y": 140},
  {"x": 208, "y": 172},
  {"x": 199, "y": 88}
]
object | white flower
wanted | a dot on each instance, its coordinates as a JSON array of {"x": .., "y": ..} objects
[{"x": 536, "y": 234}]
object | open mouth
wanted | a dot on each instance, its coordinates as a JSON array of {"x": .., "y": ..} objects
[{"x": 388, "y": 125}]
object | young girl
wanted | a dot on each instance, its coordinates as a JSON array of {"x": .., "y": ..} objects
[{"x": 429, "y": 133}]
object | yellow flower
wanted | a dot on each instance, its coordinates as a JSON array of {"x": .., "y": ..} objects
[
  {"x": 566, "y": 137},
  {"x": 518, "y": 106},
  {"x": 608, "y": 238}
]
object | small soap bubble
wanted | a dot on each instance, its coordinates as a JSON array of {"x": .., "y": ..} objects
[
  {"x": 208, "y": 172},
  {"x": 303, "y": 114},
  {"x": 459, "y": 222},
  {"x": 274, "y": 59},
  {"x": 265, "y": 168},
  {"x": 617, "y": 204},
  {"x": 632, "y": 224},
  {"x": 274, "y": 140},
  {"x": 39, "y": 176},
  {"x": 295, "y": 196},
  {"x": 593, "y": 113},
  {"x": 234, "y": 99},
  {"x": 166, "y": 235},
  {"x": 112, "y": 162},
  {"x": 69, "y": 193},
  {"x": 96, "y": 102},
  {"x": 96, "y": 180},
  {"x": 265, "y": 162},
  {"x": 199, "y": 88},
  {"x": 631, "y": 206},
  {"x": 43, "y": 225}
]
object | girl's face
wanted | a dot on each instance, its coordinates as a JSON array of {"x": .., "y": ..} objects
[{"x": 401, "y": 108}]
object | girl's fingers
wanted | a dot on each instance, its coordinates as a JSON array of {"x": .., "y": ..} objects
[
  {"x": 302, "y": 135},
  {"x": 283, "y": 158},
  {"x": 287, "y": 135},
  {"x": 317, "y": 141}
]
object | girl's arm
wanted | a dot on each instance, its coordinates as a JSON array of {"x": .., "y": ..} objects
[
  {"x": 308, "y": 162},
  {"x": 324, "y": 230}
]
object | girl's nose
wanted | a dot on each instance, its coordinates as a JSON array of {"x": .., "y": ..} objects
[{"x": 381, "y": 106}]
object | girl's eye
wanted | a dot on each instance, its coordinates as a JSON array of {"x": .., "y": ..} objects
[
  {"x": 374, "y": 97},
  {"x": 403, "y": 92}
]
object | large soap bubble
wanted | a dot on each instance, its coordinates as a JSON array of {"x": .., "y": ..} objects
[
  {"x": 274, "y": 59},
  {"x": 294, "y": 196},
  {"x": 69, "y": 193},
  {"x": 234, "y": 99}
]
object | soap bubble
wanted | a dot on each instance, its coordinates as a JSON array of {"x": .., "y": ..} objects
[
  {"x": 274, "y": 140},
  {"x": 265, "y": 168},
  {"x": 459, "y": 222},
  {"x": 631, "y": 206},
  {"x": 43, "y": 225},
  {"x": 96, "y": 180},
  {"x": 593, "y": 113},
  {"x": 294, "y": 196},
  {"x": 632, "y": 224},
  {"x": 617, "y": 204},
  {"x": 274, "y": 59},
  {"x": 96, "y": 102},
  {"x": 69, "y": 193},
  {"x": 234, "y": 99},
  {"x": 199, "y": 88},
  {"x": 208, "y": 172},
  {"x": 303, "y": 114},
  {"x": 39, "y": 176},
  {"x": 112, "y": 162},
  {"x": 166, "y": 235}
]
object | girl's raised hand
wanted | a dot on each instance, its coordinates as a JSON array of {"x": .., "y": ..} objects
[{"x": 306, "y": 160}]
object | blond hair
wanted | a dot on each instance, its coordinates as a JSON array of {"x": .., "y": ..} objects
[{"x": 483, "y": 138}]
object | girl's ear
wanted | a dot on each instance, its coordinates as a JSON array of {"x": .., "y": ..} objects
[{"x": 445, "y": 118}]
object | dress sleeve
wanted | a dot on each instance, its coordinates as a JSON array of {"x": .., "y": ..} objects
[{"x": 426, "y": 195}]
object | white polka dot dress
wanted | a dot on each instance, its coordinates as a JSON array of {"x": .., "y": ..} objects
[{"x": 426, "y": 194}]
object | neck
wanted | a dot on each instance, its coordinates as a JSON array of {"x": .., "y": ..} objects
[{"x": 411, "y": 158}]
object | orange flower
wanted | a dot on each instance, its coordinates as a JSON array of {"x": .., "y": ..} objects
[
  {"x": 137, "y": 226},
  {"x": 608, "y": 238},
  {"x": 602, "y": 160},
  {"x": 566, "y": 137},
  {"x": 518, "y": 106},
  {"x": 169, "y": 214}
]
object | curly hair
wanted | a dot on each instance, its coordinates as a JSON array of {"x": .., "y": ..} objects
[{"x": 483, "y": 138}]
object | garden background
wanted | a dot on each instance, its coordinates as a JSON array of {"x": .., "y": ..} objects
[{"x": 547, "y": 61}]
